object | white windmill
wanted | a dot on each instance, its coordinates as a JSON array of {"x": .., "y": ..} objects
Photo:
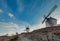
[
  {"x": 50, "y": 21},
  {"x": 27, "y": 29}
]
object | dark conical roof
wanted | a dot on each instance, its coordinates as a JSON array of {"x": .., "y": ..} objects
[{"x": 51, "y": 18}]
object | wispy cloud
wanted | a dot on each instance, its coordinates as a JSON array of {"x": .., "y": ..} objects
[
  {"x": 1, "y": 11},
  {"x": 12, "y": 28},
  {"x": 37, "y": 26},
  {"x": 5, "y": 7},
  {"x": 20, "y": 6},
  {"x": 10, "y": 15}
]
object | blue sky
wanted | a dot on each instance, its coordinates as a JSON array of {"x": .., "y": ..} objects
[{"x": 15, "y": 14}]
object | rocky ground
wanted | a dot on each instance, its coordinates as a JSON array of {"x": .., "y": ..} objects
[{"x": 45, "y": 34}]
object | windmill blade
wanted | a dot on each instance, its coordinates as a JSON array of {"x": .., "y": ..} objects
[
  {"x": 50, "y": 13},
  {"x": 52, "y": 10},
  {"x": 43, "y": 21}
]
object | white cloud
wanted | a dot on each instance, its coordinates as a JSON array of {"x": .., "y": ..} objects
[
  {"x": 4, "y": 6},
  {"x": 11, "y": 15},
  {"x": 37, "y": 26},
  {"x": 1, "y": 11},
  {"x": 12, "y": 28},
  {"x": 20, "y": 6},
  {"x": 58, "y": 21}
]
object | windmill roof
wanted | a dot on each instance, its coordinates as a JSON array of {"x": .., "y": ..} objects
[{"x": 52, "y": 18}]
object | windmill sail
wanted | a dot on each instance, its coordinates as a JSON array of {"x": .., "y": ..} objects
[
  {"x": 50, "y": 13},
  {"x": 43, "y": 21},
  {"x": 52, "y": 10}
]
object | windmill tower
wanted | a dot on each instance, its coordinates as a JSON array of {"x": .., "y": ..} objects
[{"x": 50, "y": 21}]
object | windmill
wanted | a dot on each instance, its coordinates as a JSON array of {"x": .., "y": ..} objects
[
  {"x": 50, "y": 21},
  {"x": 27, "y": 28}
]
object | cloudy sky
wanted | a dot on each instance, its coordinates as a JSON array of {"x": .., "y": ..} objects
[{"x": 16, "y": 14}]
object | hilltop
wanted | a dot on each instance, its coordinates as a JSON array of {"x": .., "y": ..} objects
[{"x": 44, "y": 34}]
